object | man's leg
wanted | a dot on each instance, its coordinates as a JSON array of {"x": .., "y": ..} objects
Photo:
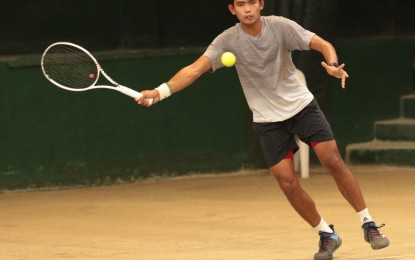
[
  {"x": 278, "y": 143},
  {"x": 299, "y": 199},
  {"x": 288, "y": 181},
  {"x": 330, "y": 158}
]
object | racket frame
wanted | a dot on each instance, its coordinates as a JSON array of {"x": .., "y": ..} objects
[{"x": 116, "y": 86}]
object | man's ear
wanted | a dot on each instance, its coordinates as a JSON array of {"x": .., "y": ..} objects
[{"x": 231, "y": 9}]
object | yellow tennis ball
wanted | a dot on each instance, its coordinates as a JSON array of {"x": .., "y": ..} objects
[{"x": 228, "y": 59}]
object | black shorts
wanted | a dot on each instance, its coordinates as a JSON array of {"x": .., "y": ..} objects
[{"x": 277, "y": 138}]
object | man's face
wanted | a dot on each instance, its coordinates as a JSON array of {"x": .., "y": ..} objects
[{"x": 247, "y": 11}]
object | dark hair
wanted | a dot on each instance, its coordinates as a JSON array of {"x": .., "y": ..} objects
[{"x": 230, "y": 2}]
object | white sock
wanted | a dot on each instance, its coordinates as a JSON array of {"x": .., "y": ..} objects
[
  {"x": 364, "y": 216},
  {"x": 323, "y": 227}
]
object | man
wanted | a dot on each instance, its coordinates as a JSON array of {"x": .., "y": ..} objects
[{"x": 281, "y": 107}]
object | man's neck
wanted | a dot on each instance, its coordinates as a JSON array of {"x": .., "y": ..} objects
[{"x": 253, "y": 29}]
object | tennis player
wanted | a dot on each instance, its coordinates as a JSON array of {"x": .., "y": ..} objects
[{"x": 282, "y": 107}]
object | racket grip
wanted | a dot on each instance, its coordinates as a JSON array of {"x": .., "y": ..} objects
[{"x": 132, "y": 93}]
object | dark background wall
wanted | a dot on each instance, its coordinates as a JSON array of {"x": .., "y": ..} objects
[
  {"x": 51, "y": 137},
  {"x": 29, "y": 25}
]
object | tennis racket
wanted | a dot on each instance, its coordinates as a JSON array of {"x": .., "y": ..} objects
[{"x": 71, "y": 67}]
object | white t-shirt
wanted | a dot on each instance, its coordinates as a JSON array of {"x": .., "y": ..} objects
[{"x": 265, "y": 67}]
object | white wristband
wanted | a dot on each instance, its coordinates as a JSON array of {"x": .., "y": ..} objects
[{"x": 164, "y": 91}]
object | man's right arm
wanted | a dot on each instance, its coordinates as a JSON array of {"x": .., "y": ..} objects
[{"x": 184, "y": 78}]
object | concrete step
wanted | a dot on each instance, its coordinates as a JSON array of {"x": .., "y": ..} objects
[
  {"x": 381, "y": 152},
  {"x": 399, "y": 129},
  {"x": 408, "y": 106}
]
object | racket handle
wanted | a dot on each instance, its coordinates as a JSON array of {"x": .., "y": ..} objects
[{"x": 132, "y": 93}]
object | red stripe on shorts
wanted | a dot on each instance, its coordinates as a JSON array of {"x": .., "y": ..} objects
[
  {"x": 290, "y": 155},
  {"x": 313, "y": 144}
]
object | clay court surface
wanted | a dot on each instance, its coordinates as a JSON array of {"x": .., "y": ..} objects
[{"x": 240, "y": 215}]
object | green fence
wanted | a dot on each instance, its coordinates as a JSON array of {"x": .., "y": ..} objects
[
  {"x": 52, "y": 137},
  {"x": 380, "y": 72},
  {"x": 49, "y": 136}
]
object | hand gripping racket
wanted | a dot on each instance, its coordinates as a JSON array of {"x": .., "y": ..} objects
[{"x": 73, "y": 68}]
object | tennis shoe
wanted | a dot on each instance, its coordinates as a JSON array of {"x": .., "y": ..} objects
[
  {"x": 373, "y": 236},
  {"x": 329, "y": 242}
]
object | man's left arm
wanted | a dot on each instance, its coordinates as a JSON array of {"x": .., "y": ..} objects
[{"x": 331, "y": 64}]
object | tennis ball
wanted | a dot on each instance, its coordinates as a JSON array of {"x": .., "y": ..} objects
[{"x": 228, "y": 59}]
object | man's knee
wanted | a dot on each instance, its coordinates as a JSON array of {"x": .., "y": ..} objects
[
  {"x": 329, "y": 155},
  {"x": 334, "y": 162},
  {"x": 286, "y": 178}
]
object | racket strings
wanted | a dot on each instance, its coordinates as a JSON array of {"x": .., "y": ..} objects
[{"x": 70, "y": 67}]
